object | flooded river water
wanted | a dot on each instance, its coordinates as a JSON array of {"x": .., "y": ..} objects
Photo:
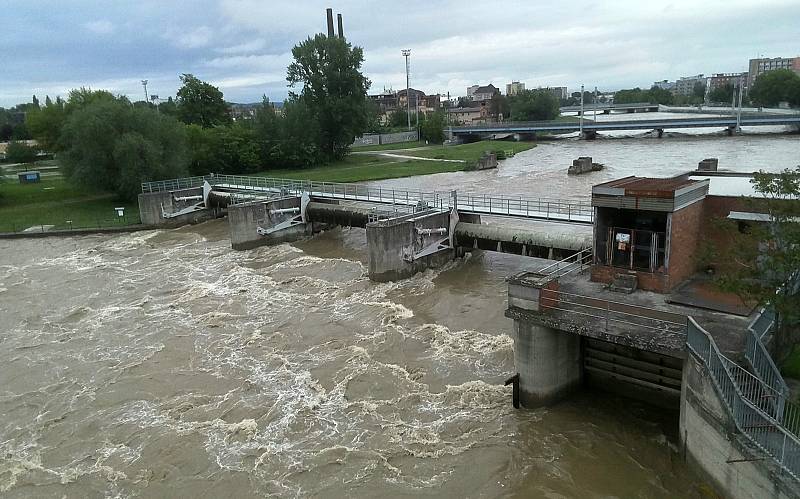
[{"x": 164, "y": 364}]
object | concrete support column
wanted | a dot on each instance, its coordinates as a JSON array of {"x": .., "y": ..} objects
[
  {"x": 400, "y": 247},
  {"x": 548, "y": 362},
  {"x": 152, "y": 203},
  {"x": 245, "y": 219}
]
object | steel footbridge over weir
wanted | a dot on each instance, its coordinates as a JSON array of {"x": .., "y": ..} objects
[{"x": 407, "y": 230}]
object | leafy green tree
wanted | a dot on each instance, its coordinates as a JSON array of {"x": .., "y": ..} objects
[
  {"x": 45, "y": 125},
  {"x": 657, "y": 95},
  {"x": 432, "y": 128},
  {"x": 533, "y": 105},
  {"x": 722, "y": 93},
  {"x": 334, "y": 90},
  {"x": 373, "y": 116},
  {"x": 109, "y": 145},
  {"x": 760, "y": 258},
  {"x": 499, "y": 105},
  {"x": 231, "y": 149},
  {"x": 699, "y": 90},
  {"x": 169, "y": 107},
  {"x": 630, "y": 96},
  {"x": 200, "y": 103},
  {"x": 35, "y": 102},
  {"x": 398, "y": 118},
  {"x": 773, "y": 87},
  {"x": 47, "y": 101},
  {"x": 6, "y": 132},
  {"x": 20, "y": 152},
  {"x": 81, "y": 97}
]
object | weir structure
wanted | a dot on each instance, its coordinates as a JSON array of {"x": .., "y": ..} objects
[
  {"x": 622, "y": 310},
  {"x": 407, "y": 230}
]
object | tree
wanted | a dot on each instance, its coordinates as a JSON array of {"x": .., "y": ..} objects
[
  {"x": 533, "y": 105},
  {"x": 699, "y": 90},
  {"x": 35, "y": 102},
  {"x": 20, "y": 152},
  {"x": 432, "y": 128},
  {"x": 722, "y": 93},
  {"x": 200, "y": 103},
  {"x": 109, "y": 145},
  {"x": 334, "y": 90},
  {"x": 47, "y": 101},
  {"x": 658, "y": 95},
  {"x": 45, "y": 125},
  {"x": 773, "y": 87},
  {"x": 760, "y": 258},
  {"x": 169, "y": 107},
  {"x": 6, "y": 132},
  {"x": 499, "y": 106},
  {"x": 232, "y": 149}
]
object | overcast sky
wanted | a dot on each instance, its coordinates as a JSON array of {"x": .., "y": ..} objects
[{"x": 243, "y": 46}]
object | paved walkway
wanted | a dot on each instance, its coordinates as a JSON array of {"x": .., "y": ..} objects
[{"x": 404, "y": 156}]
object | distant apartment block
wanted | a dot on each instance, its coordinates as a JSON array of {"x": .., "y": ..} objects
[
  {"x": 480, "y": 93},
  {"x": 514, "y": 88},
  {"x": 558, "y": 92},
  {"x": 757, "y": 67},
  {"x": 468, "y": 115},
  {"x": 665, "y": 85},
  {"x": 719, "y": 80},
  {"x": 388, "y": 101},
  {"x": 685, "y": 85}
]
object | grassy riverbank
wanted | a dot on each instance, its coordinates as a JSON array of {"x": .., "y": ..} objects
[
  {"x": 55, "y": 202},
  {"x": 371, "y": 165}
]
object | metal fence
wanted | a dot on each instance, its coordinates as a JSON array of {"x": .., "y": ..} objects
[
  {"x": 489, "y": 204},
  {"x": 573, "y": 263},
  {"x": 757, "y": 355},
  {"x": 764, "y": 422}
]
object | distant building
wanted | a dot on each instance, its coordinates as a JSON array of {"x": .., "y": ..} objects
[
  {"x": 719, "y": 80},
  {"x": 244, "y": 111},
  {"x": 757, "y": 67},
  {"x": 426, "y": 103},
  {"x": 386, "y": 101},
  {"x": 558, "y": 92},
  {"x": 514, "y": 88},
  {"x": 665, "y": 85},
  {"x": 468, "y": 115},
  {"x": 685, "y": 85},
  {"x": 482, "y": 92}
]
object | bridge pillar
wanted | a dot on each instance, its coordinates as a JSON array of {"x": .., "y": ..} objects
[
  {"x": 660, "y": 132},
  {"x": 400, "y": 247},
  {"x": 589, "y": 135},
  {"x": 261, "y": 223},
  {"x": 548, "y": 361}
]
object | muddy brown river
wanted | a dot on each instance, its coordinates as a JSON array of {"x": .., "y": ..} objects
[{"x": 164, "y": 364}]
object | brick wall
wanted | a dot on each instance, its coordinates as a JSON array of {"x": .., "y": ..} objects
[{"x": 685, "y": 231}]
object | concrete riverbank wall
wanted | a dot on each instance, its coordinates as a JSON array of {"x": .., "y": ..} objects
[{"x": 712, "y": 445}]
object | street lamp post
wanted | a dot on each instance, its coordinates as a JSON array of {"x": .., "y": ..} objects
[
  {"x": 406, "y": 53},
  {"x": 581, "y": 121}
]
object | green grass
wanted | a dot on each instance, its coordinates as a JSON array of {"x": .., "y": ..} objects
[
  {"x": 53, "y": 201},
  {"x": 389, "y": 147},
  {"x": 791, "y": 365},
  {"x": 358, "y": 168},
  {"x": 471, "y": 152},
  {"x": 362, "y": 167}
]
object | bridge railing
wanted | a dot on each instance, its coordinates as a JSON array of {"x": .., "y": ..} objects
[{"x": 489, "y": 204}]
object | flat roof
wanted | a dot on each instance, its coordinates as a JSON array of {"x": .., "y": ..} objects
[{"x": 647, "y": 187}]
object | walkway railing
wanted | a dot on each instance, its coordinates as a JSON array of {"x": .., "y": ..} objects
[
  {"x": 487, "y": 204},
  {"x": 573, "y": 263},
  {"x": 770, "y": 426},
  {"x": 605, "y": 313}
]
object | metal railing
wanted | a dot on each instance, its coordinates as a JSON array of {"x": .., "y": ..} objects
[
  {"x": 757, "y": 355},
  {"x": 488, "y": 204},
  {"x": 608, "y": 312},
  {"x": 573, "y": 263},
  {"x": 769, "y": 425}
]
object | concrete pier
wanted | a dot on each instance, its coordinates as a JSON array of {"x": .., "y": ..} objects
[
  {"x": 548, "y": 362},
  {"x": 402, "y": 246},
  {"x": 153, "y": 205},
  {"x": 245, "y": 220}
]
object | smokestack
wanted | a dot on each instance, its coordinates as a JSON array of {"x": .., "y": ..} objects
[
  {"x": 339, "y": 21},
  {"x": 330, "y": 22}
]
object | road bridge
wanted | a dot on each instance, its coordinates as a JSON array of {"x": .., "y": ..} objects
[{"x": 724, "y": 122}]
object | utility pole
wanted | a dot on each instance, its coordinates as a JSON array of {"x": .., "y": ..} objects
[
  {"x": 739, "y": 112},
  {"x": 406, "y": 53},
  {"x": 581, "y": 121},
  {"x": 144, "y": 84}
]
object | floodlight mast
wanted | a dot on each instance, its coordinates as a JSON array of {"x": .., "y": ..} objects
[{"x": 407, "y": 53}]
